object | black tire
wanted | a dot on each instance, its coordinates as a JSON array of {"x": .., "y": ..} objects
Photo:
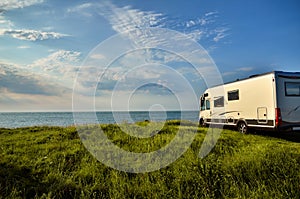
[
  {"x": 201, "y": 123},
  {"x": 242, "y": 127}
]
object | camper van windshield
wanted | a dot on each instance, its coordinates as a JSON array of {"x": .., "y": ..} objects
[
  {"x": 292, "y": 88},
  {"x": 202, "y": 104}
]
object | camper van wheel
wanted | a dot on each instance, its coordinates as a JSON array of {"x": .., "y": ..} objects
[
  {"x": 201, "y": 122},
  {"x": 242, "y": 127}
]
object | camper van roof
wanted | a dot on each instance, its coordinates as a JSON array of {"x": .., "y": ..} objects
[{"x": 262, "y": 74}]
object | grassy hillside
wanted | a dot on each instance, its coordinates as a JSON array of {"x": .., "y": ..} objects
[{"x": 51, "y": 162}]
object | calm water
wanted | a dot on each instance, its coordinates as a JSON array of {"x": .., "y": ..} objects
[{"x": 13, "y": 120}]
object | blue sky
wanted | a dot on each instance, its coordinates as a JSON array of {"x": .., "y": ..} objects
[{"x": 45, "y": 43}]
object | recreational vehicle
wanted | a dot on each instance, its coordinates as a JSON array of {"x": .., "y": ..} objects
[{"x": 269, "y": 101}]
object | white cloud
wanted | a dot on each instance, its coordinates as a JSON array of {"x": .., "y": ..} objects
[
  {"x": 19, "y": 80},
  {"x": 211, "y": 13},
  {"x": 62, "y": 63},
  {"x": 219, "y": 37},
  {"x": 23, "y": 47},
  {"x": 133, "y": 25},
  {"x": 220, "y": 34},
  {"x": 82, "y": 9},
  {"x": 204, "y": 28},
  {"x": 5, "y": 23},
  {"x": 23, "y": 88},
  {"x": 126, "y": 19},
  {"x": 196, "y": 35},
  {"x": 97, "y": 56},
  {"x": 246, "y": 69},
  {"x": 238, "y": 71},
  {"x": 60, "y": 67},
  {"x": 11, "y": 101},
  {"x": 225, "y": 74},
  {"x": 2, "y": 71},
  {"x": 48, "y": 28},
  {"x": 7, "y": 27},
  {"x": 31, "y": 35},
  {"x": 207, "y": 19},
  {"x": 15, "y": 4},
  {"x": 45, "y": 85}
]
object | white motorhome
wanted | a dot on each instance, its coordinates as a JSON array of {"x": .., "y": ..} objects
[{"x": 267, "y": 101}]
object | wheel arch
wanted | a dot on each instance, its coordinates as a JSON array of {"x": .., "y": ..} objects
[
  {"x": 241, "y": 120},
  {"x": 242, "y": 126},
  {"x": 201, "y": 121}
]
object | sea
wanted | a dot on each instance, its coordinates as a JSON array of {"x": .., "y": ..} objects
[{"x": 27, "y": 119}]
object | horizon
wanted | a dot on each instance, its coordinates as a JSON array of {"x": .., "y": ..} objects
[{"x": 92, "y": 111}]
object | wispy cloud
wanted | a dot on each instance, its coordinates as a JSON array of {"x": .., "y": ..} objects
[
  {"x": 82, "y": 9},
  {"x": 31, "y": 35},
  {"x": 220, "y": 33},
  {"x": 23, "y": 47},
  {"x": 125, "y": 19},
  {"x": 15, "y": 79},
  {"x": 245, "y": 69},
  {"x": 59, "y": 59},
  {"x": 201, "y": 28},
  {"x": 49, "y": 76},
  {"x": 22, "y": 88},
  {"x": 239, "y": 72},
  {"x": 134, "y": 24},
  {"x": 7, "y": 27},
  {"x": 15, "y": 4},
  {"x": 5, "y": 23},
  {"x": 60, "y": 66}
]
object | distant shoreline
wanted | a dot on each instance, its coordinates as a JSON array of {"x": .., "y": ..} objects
[
  {"x": 104, "y": 111},
  {"x": 64, "y": 119}
]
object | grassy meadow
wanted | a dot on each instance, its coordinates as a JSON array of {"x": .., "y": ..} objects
[{"x": 51, "y": 162}]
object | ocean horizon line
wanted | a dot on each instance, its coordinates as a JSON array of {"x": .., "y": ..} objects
[
  {"x": 87, "y": 111},
  {"x": 22, "y": 119}
]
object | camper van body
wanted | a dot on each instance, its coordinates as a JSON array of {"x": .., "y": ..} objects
[{"x": 268, "y": 101}]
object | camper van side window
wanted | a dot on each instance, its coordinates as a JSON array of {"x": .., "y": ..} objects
[
  {"x": 207, "y": 104},
  {"x": 292, "y": 88},
  {"x": 219, "y": 102},
  {"x": 233, "y": 95}
]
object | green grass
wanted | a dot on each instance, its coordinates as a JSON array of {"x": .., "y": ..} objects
[{"x": 51, "y": 162}]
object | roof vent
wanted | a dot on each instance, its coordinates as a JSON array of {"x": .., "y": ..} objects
[{"x": 251, "y": 76}]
